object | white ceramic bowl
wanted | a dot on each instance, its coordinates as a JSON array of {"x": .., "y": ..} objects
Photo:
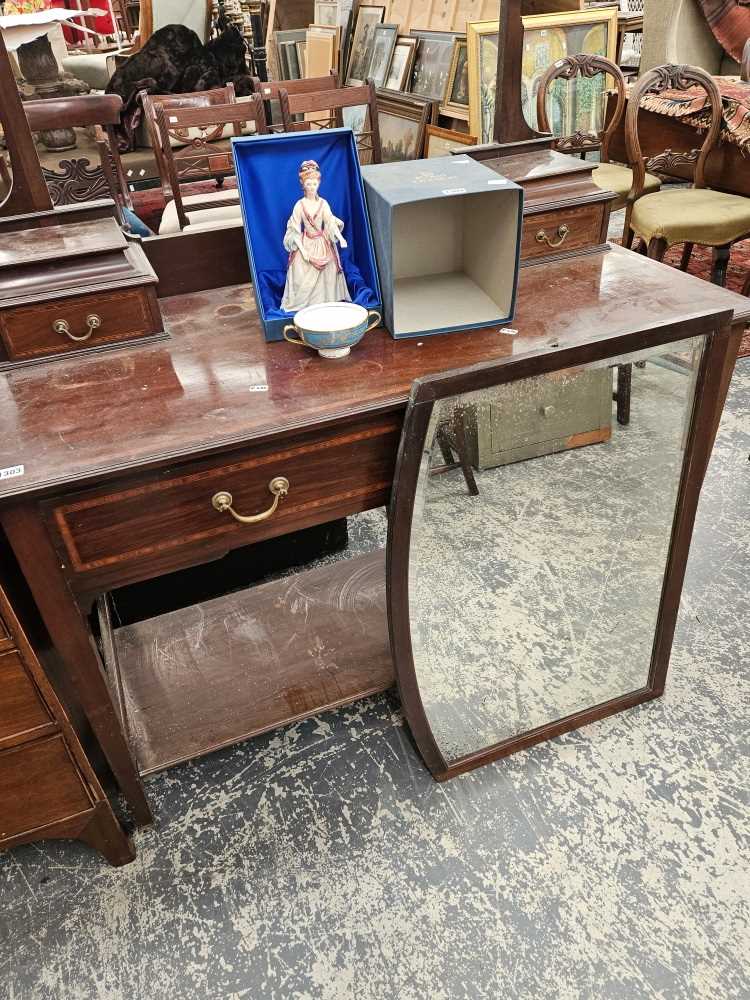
[{"x": 331, "y": 328}]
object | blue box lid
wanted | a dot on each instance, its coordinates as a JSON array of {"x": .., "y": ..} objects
[{"x": 439, "y": 177}]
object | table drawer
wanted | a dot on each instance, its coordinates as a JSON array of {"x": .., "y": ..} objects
[
  {"x": 168, "y": 520},
  {"x": 562, "y": 230},
  {"x": 39, "y": 784},
  {"x": 22, "y": 711},
  {"x": 29, "y": 331}
]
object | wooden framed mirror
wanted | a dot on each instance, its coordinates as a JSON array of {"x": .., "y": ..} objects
[{"x": 534, "y": 579}]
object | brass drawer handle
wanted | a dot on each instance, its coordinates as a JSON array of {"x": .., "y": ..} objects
[
  {"x": 562, "y": 232},
  {"x": 222, "y": 501},
  {"x": 93, "y": 322}
]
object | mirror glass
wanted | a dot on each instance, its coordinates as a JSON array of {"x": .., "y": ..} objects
[{"x": 536, "y": 568}]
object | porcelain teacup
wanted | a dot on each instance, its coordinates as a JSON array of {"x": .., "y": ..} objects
[{"x": 331, "y": 328}]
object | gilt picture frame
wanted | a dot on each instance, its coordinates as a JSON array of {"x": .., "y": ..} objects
[
  {"x": 444, "y": 141},
  {"x": 456, "y": 98},
  {"x": 432, "y": 63},
  {"x": 547, "y": 38}
]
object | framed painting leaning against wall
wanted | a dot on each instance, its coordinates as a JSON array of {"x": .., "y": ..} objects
[{"x": 547, "y": 38}]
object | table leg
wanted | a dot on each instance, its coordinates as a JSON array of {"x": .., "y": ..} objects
[{"x": 67, "y": 628}]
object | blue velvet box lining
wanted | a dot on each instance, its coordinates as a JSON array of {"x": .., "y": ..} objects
[{"x": 267, "y": 177}]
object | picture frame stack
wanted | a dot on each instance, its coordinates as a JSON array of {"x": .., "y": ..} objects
[{"x": 434, "y": 65}]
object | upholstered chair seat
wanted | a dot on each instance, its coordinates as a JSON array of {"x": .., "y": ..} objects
[
  {"x": 695, "y": 215},
  {"x": 618, "y": 178},
  {"x": 226, "y": 211}
]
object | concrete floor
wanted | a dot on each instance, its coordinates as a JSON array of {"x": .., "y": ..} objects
[{"x": 323, "y": 863}]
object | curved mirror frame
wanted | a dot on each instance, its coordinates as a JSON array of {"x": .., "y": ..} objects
[{"x": 697, "y": 354}]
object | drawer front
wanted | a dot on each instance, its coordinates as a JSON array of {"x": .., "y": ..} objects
[
  {"x": 39, "y": 785},
  {"x": 548, "y": 409},
  {"x": 550, "y": 233},
  {"x": 122, "y": 534},
  {"x": 22, "y": 711},
  {"x": 28, "y": 332}
]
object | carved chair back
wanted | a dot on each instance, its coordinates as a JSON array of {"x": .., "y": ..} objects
[
  {"x": 656, "y": 81},
  {"x": 270, "y": 90},
  {"x": 588, "y": 67},
  {"x": 195, "y": 99},
  {"x": 202, "y": 129},
  {"x": 77, "y": 180},
  {"x": 325, "y": 110}
]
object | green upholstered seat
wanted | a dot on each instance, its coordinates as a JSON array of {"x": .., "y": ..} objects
[
  {"x": 692, "y": 215},
  {"x": 617, "y": 178}
]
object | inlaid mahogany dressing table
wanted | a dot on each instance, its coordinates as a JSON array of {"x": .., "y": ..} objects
[{"x": 110, "y": 464}]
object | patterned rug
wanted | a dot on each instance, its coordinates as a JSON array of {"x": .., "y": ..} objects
[
  {"x": 692, "y": 107},
  {"x": 700, "y": 266}
]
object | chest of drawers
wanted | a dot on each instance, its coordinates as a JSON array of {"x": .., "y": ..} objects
[
  {"x": 48, "y": 788},
  {"x": 72, "y": 288}
]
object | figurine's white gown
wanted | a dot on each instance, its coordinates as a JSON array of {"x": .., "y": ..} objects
[{"x": 319, "y": 279}]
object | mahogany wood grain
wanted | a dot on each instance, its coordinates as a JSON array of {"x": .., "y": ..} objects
[
  {"x": 39, "y": 785},
  {"x": 583, "y": 223},
  {"x": 34, "y": 722},
  {"x": 22, "y": 712},
  {"x": 329, "y": 648},
  {"x": 92, "y": 419},
  {"x": 145, "y": 527},
  {"x": 73, "y": 640},
  {"x": 28, "y": 332},
  {"x": 5, "y": 640}
]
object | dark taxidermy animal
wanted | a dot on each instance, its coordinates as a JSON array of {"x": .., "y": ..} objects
[{"x": 175, "y": 61}]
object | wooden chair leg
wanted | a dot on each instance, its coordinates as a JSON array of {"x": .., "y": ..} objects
[
  {"x": 622, "y": 395},
  {"x": 746, "y": 286},
  {"x": 657, "y": 247},
  {"x": 720, "y": 265},
  {"x": 459, "y": 442},
  {"x": 687, "y": 253},
  {"x": 627, "y": 238}
]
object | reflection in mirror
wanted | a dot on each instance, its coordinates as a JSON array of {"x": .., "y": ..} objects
[
  {"x": 538, "y": 597},
  {"x": 6, "y": 176}
]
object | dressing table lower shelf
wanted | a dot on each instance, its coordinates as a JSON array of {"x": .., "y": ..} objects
[{"x": 216, "y": 673}]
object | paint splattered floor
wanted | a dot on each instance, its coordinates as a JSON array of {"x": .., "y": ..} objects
[{"x": 323, "y": 862}]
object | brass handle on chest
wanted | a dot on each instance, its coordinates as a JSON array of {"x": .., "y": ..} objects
[
  {"x": 93, "y": 322},
  {"x": 279, "y": 487},
  {"x": 562, "y": 234}
]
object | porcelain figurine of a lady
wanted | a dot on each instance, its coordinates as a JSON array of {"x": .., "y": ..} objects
[{"x": 312, "y": 239}]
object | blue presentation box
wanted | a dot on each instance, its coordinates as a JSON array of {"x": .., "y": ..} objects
[
  {"x": 268, "y": 180},
  {"x": 447, "y": 239}
]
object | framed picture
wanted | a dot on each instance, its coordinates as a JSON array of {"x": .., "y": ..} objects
[
  {"x": 432, "y": 63},
  {"x": 456, "y": 99},
  {"x": 320, "y": 53},
  {"x": 547, "y": 38},
  {"x": 327, "y": 12},
  {"x": 360, "y": 54},
  {"x": 575, "y": 104},
  {"x": 289, "y": 60},
  {"x": 443, "y": 141},
  {"x": 481, "y": 53},
  {"x": 281, "y": 39},
  {"x": 302, "y": 56},
  {"x": 402, "y": 63},
  {"x": 383, "y": 43},
  {"x": 402, "y": 124}
]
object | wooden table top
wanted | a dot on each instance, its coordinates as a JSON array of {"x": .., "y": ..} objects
[{"x": 216, "y": 383}]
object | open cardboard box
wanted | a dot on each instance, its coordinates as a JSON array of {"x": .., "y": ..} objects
[{"x": 447, "y": 242}]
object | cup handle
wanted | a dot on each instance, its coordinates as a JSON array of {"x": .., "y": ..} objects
[
  {"x": 293, "y": 340},
  {"x": 376, "y": 321}
]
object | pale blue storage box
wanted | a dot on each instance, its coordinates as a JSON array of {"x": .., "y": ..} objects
[{"x": 447, "y": 234}]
